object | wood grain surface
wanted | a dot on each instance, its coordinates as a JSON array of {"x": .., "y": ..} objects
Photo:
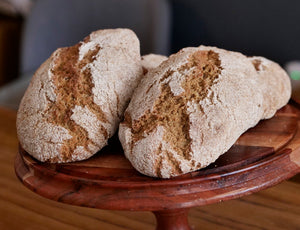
[
  {"x": 275, "y": 208},
  {"x": 108, "y": 181}
]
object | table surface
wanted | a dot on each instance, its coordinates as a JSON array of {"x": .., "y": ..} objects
[{"x": 274, "y": 208}]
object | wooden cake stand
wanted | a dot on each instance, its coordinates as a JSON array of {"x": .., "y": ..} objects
[{"x": 262, "y": 157}]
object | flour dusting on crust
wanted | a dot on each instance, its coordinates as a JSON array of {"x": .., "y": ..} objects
[
  {"x": 76, "y": 99},
  {"x": 193, "y": 107}
]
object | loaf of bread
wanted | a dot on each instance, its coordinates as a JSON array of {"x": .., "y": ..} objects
[
  {"x": 77, "y": 97},
  {"x": 151, "y": 61},
  {"x": 194, "y": 106}
]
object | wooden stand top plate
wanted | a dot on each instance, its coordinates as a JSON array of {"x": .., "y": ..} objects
[{"x": 262, "y": 157}]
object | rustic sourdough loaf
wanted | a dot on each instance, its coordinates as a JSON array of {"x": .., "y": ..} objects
[
  {"x": 194, "y": 106},
  {"x": 77, "y": 97}
]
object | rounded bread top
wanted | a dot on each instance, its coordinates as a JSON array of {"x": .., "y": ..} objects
[{"x": 77, "y": 97}]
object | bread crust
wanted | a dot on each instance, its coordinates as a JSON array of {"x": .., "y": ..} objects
[
  {"x": 214, "y": 95},
  {"x": 151, "y": 61},
  {"x": 77, "y": 97}
]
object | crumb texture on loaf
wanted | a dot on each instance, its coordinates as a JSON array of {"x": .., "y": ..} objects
[
  {"x": 195, "y": 105},
  {"x": 77, "y": 97}
]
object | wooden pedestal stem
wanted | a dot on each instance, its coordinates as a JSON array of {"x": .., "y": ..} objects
[{"x": 174, "y": 219}]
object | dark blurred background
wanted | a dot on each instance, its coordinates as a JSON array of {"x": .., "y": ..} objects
[
  {"x": 267, "y": 28},
  {"x": 30, "y": 30}
]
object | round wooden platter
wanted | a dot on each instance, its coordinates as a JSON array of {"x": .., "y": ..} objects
[{"x": 262, "y": 157}]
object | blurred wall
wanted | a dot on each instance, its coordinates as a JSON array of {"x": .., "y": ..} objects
[
  {"x": 10, "y": 31},
  {"x": 58, "y": 23},
  {"x": 267, "y": 28}
]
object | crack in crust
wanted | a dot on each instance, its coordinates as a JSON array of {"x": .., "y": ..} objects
[
  {"x": 256, "y": 63},
  {"x": 158, "y": 163},
  {"x": 74, "y": 85}
]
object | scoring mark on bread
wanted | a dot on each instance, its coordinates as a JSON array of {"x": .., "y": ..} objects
[
  {"x": 74, "y": 85},
  {"x": 170, "y": 111}
]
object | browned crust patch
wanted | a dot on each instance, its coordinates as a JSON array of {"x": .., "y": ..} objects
[{"x": 73, "y": 87}]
